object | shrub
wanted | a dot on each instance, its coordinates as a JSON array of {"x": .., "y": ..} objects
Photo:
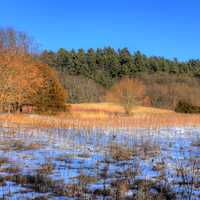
[{"x": 184, "y": 107}]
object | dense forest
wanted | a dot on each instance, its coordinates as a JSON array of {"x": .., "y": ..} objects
[
  {"x": 87, "y": 74},
  {"x": 106, "y": 65}
]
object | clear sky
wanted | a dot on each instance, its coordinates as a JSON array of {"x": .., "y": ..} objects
[{"x": 169, "y": 28}]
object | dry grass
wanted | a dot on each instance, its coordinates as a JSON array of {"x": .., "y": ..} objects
[
  {"x": 120, "y": 153},
  {"x": 114, "y": 108},
  {"x": 106, "y": 110},
  {"x": 103, "y": 115}
]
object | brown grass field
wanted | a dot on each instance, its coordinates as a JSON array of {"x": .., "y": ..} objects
[{"x": 103, "y": 115}]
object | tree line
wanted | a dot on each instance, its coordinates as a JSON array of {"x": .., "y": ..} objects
[
  {"x": 87, "y": 75},
  {"x": 107, "y": 65}
]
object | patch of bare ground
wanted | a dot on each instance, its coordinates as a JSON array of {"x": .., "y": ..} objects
[
  {"x": 120, "y": 153},
  {"x": 46, "y": 168},
  {"x": 3, "y": 160},
  {"x": 196, "y": 142},
  {"x": 18, "y": 145}
]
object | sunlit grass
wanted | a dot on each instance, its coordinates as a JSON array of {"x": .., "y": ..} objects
[
  {"x": 103, "y": 115},
  {"x": 114, "y": 108}
]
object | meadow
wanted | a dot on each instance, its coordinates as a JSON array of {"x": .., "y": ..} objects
[
  {"x": 96, "y": 152},
  {"x": 104, "y": 115}
]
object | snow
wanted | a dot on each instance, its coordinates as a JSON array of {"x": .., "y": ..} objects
[{"x": 84, "y": 150}]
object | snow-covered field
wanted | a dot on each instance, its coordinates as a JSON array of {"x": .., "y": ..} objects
[{"x": 100, "y": 163}]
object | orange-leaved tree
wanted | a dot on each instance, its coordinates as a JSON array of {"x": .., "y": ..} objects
[
  {"x": 127, "y": 93},
  {"x": 24, "y": 80}
]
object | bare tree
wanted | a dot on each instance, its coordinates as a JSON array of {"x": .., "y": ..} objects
[
  {"x": 82, "y": 89},
  {"x": 16, "y": 41},
  {"x": 127, "y": 93}
]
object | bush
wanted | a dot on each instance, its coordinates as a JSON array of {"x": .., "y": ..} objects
[{"x": 184, "y": 107}]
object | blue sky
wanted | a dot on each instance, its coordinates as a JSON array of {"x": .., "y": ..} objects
[{"x": 169, "y": 28}]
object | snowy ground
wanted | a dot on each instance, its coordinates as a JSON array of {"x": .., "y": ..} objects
[{"x": 100, "y": 164}]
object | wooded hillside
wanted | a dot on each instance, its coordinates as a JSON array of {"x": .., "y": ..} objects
[{"x": 167, "y": 81}]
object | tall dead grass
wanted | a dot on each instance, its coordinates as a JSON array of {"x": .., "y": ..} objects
[{"x": 74, "y": 121}]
